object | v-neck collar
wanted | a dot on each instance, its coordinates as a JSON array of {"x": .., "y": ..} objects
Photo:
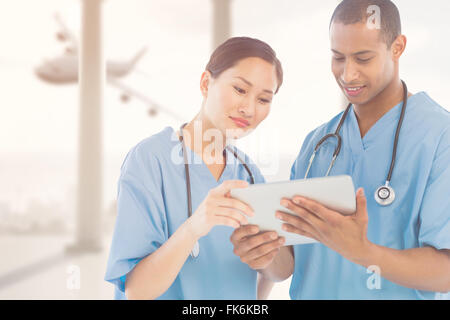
[
  {"x": 196, "y": 162},
  {"x": 204, "y": 171},
  {"x": 372, "y": 136}
]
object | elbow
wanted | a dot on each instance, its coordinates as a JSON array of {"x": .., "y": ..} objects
[
  {"x": 133, "y": 293},
  {"x": 130, "y": 293}
]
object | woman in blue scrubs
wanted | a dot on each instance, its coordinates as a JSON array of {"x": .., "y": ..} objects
[{"x": 150, "y": 255}]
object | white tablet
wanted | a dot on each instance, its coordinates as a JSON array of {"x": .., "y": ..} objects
[{"x": 335, "y": 192}]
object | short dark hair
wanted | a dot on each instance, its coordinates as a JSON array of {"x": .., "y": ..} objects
[
  {"x": 354, "y": 11},
  {"x": 235, "y": 49}
]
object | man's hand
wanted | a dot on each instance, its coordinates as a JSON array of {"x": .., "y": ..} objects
[
  {"x": 346, "y": 235},
  {"x": 254, "y": 248}
]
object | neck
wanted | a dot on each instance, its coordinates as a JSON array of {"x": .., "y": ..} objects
[
  {"x": 369, "y": 113},
  {"x": 205, "y": 139}
]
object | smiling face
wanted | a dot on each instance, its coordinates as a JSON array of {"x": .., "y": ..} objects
[
  {"x": 240, "y": 97},
  {"x": 362, "y": 63}
]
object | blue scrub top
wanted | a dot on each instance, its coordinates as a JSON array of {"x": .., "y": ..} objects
[
  {"x": 419, "y": 216},
  {"x": 152, "y": 204}
]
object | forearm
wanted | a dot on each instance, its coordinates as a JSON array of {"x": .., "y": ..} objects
[
  {"x": 264, "y": 287},
  {"x": 282, "y": 266},
  {"x": 418, "y": 268},
  {"x": 153, "y": 275}
]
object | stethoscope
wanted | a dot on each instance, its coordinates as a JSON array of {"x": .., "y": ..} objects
[
  {"x": 385, "y": 194},
  {"x": 196, "y": 250}
]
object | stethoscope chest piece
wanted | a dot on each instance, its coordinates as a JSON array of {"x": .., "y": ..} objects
[
  {"x": 385, "y": 195},
  {"x": 195, "y": 251}
]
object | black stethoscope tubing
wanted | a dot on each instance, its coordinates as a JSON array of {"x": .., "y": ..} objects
[
  {"x": 384, "y": 195},
  {"x": 195, "y": 251}
]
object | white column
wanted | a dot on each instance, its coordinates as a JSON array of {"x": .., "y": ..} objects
[
  {"x": 91, "y": 83},
  {"x": 343, "y": 101},
  {"x": 221, "y": 21}
]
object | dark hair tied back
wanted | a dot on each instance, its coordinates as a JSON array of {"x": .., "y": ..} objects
[{"x": 235, "y": 49}]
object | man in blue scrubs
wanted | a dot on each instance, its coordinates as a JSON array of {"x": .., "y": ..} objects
[{"x": 399, "y": 251}]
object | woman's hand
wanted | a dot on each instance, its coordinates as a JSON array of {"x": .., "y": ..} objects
[
  {"x": 218, "y": 208},
  {"x": 256, "y": 249}
]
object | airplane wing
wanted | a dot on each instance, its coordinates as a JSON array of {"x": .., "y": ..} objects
[
  {"x": 137, "y": 57},
  {"x": 116, "y": 69},
  {"x": 146, "y": 100}
]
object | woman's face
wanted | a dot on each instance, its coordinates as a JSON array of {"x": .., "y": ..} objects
[{"x": 240, "y": 97}]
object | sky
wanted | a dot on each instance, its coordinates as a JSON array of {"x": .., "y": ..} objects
[{"x": 39, "y": 122}]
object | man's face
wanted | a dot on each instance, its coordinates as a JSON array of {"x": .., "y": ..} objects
[{"x": 361, "y": 61}]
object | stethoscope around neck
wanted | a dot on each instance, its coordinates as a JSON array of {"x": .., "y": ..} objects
[
  {"x": 196, "y": 250},
  {"x": 385, "y": 194}
]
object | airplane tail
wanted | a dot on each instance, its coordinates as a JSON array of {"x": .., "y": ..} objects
[
  {"x": 137, "y": 57},
  {"x": 65, "y": 34}
]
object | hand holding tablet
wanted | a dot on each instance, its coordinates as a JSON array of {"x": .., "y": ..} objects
[{"x": 335, "y": 192}]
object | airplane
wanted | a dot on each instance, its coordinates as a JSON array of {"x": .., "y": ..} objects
[{"x": 63, "y": 69}]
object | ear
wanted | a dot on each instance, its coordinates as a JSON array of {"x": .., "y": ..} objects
[
  {"x": 398, "y": 47},
  {"x": 204, "y": 83}
]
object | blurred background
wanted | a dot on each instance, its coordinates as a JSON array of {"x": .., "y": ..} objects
[{"x": 63, "y": 137}]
